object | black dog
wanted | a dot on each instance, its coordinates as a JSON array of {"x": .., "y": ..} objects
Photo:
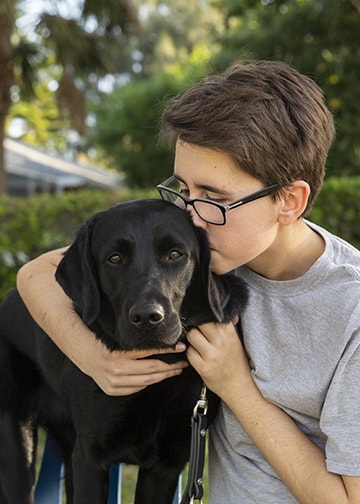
[{"x": 138, "y": 275}]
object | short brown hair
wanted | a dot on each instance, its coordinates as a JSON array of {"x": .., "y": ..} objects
[{"x": 270, "y": 119}]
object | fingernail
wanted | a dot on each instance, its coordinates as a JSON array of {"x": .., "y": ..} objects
[{"x": 180, "y": 347}]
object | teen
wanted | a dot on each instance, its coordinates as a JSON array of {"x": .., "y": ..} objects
[{"x": 252, "y": 143}]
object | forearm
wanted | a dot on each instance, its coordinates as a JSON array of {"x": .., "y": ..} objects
[
  {"x": 299, "y": 463},
  {"x": 49, "y": 305}
]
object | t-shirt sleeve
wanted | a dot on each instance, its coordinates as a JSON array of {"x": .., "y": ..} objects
[{"x": 340, "y": 415}]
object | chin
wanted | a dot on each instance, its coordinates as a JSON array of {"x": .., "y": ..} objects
[
  {"x": 219, "y": 265},
  {"x": 216, "y": 264},
  {"x": 218, "y": 268}
]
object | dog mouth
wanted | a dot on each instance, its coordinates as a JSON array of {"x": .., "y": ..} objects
[{"x": 160, "y": 335}]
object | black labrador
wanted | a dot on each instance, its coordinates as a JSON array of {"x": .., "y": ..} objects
[{"x": 138, "y": 275}]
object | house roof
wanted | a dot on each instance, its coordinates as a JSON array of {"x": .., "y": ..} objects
[{"x": 30, "y": 170}]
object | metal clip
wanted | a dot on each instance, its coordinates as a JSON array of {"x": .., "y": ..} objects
[{"x": 202, "y": 403}]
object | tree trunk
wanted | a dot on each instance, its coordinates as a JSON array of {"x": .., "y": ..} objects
[
  {"x": 2, "y": 164},
  {"x": 6, "y": 78}
]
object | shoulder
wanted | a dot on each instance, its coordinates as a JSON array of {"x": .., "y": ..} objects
[{"x": 339, "y": 254}]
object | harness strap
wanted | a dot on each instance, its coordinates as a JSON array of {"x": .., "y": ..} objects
[{"x": 194, "y": 487}]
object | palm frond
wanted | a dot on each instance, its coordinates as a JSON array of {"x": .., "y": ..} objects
[
  {"x": 71, "y": 103},
  {"x": 26, "y": 57},
  {"x": 112, "y": 15},
  {"x": 76, "y": 49}
]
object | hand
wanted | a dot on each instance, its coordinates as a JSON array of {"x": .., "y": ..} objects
[
  {"x": 218, "y": 356},
  {"x": 120, "y": 373}
]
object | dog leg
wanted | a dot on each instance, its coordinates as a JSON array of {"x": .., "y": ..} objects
[
  {"x": 16, "y": 470},
  {"x": 156, "y": 485},
  {"x": 91, "y": 484}
]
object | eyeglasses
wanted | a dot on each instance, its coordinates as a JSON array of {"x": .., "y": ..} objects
[{"x": 209, "y": 211}]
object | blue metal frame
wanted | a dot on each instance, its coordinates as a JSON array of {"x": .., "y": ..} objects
[{"x": 49, "y": 486}]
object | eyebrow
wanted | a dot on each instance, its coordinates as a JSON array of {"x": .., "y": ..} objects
[{"x": 205, "y": 187}]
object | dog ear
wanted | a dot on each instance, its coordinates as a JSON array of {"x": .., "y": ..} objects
[
  {"x": 211, "y": 297},
  {"x": 216, "y": 290},
  {"x": 77, "y": 275},
  {"x": 207, "y": 295},
  {"x": 218, "y": 296}
]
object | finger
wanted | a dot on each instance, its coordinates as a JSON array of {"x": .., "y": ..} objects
[
  {"x": 135, "y": 383},
  {"x": 156, "y": 366},
  {"x": 140, "y": 354},
  {"x": 198, "y": 336},
  {"x": 122, "y": 365},
  {"x": 212, "y": 331},
  {"x": 207, "y": 331},
  {"x": 198, "y": 346}
]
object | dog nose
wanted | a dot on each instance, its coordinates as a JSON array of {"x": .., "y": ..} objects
[{"x": 146, "y": 316}]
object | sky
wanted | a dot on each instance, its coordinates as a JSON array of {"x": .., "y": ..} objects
[{"x": 33, "y": 8}]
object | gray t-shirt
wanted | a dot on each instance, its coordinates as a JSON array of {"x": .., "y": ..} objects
[{"x": 303, "y": 340}]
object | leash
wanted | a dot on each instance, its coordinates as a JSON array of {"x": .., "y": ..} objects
[{"x": 194, "y": 487}]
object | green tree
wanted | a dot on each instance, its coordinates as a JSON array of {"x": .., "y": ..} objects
[
  {"x": 318, "y": 37},
  {"x": 171, "y": 50},
  {"x": 37, "y": 121},
  {"x": 127, "y": 123},
  {"x": 126, "y": 131},
  {"x": 81, "y": 48},
  {"x": 7, "y": 14},
  {"x": 170, "y": 30}
]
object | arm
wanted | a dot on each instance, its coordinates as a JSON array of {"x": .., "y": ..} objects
[
  {"x": 116, "y": 373},
  {"x": 217, "y": 354}
]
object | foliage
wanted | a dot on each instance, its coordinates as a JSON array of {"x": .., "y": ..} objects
[
  {"x": 128, "y": 121},
  {"x": 32, "y": 226},
  {"x": 7, "y": 12},
  {"x": 82, "y": 42},
  {"x": 337, "y": 208},
  {"x": 169, "y": 33},
  {"x": 318, "y": 37},
  {"x": 127, "y": 127},
  {"x": 37, "y": 121}
]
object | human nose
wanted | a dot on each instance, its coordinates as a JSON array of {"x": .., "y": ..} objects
[{"x": 197, "y": 221}]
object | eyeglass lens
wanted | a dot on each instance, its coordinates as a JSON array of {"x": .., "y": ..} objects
[{"x": 206, "y": 210}]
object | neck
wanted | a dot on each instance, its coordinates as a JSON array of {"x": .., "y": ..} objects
[{"x": 292, "y": 253}]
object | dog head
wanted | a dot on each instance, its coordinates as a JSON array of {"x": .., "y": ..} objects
[{"x": 138, "y": 273}]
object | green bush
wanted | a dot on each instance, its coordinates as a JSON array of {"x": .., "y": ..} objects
[
  {"x": 338, "y": 208},
  {"x": 29, "y": 227}
]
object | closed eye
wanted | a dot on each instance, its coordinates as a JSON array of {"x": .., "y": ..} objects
[
  {"x": 184, "y": 192},
  {"x": 206, "y": 196}
]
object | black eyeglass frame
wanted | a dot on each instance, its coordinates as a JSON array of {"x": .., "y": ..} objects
[{"x": 261, "y": 193}]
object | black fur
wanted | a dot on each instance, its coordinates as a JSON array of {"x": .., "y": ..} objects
[{"x": 138, "y": 275}]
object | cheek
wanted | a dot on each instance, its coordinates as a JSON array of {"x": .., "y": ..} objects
[
  {"x": 240, "y": 241},
  {"x": 228, "y": 256},
  {"x": 227, "y": 245}
]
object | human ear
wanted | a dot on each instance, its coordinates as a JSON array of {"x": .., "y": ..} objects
[{"x": 294, "y": 199}]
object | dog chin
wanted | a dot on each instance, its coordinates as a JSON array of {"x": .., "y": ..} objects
[{"x": 159, "y": 338}]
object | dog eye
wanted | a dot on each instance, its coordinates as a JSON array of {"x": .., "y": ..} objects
[
  {"x": 174, "y": 254},
  {"x": 115, "y": 259}
]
